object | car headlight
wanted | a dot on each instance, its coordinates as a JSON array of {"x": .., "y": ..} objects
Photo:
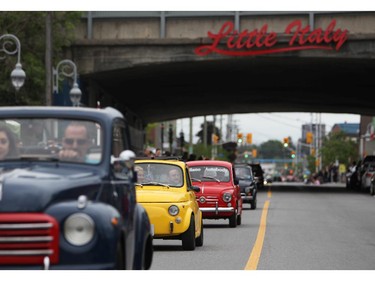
[
  {"x": 79, "y": 229},
  {"x": 227, "y": 197},
  {"x": 173, "y": 210}
]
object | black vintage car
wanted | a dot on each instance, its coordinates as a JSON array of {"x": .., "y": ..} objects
[
  {"x": 69, "y": 213},
  {"x": 258, "y": 174},
  {"x": 247, "y": 183}
]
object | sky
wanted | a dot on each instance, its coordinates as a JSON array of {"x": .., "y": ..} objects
[{"x": 268, "y": 126}]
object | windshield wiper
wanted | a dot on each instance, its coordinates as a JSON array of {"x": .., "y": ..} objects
[
  {"x": 155, "y": 183},
  {"x": 40, "y": 157},
  {"x": 212, "y": 178},
  {"x": 195, "y": 179}
]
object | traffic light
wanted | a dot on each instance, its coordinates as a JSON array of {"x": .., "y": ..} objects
[
  {"x": 293, "y": 154},
  {"x": 309, "y": 137},
  {"x": 239, "y": 137},
  {"x": 286, "y": 142},
  {"x": 249, "y": 138},
  {"x": 246, "y": 154},
  {"x": 254, "y": 152}
]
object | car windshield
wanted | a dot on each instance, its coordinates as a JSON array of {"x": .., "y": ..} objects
[
  {"x": 209, "y": 173},
  {"x": 243, "y": 173},
  {"x": 44, "y": 139},
  {"x": 159, "y": 174}
]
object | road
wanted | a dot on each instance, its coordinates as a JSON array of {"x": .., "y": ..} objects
[{"x": 295, "y": 227}]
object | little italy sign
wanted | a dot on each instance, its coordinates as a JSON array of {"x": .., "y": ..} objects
[{"x": 229, "y": 41}]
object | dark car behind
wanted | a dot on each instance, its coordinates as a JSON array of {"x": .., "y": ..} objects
[
  {"x": 247, "y": 183},
  {"x": 258, "y": 174}
]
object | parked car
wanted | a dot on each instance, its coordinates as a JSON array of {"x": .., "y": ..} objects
[
  {"x": 59, "y": 210},
  {"x": 372, "y": 185},
  {"x": 369, "y": 171},
  {"x": 258, "y": 173},
  {"x": 220, "y": 195},
  {"x": 247, "y": 183},
  {"x": 166, "y": 192},
  {"x": 362, "y": 167}
]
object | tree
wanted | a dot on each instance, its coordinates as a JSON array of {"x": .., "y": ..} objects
[
  {"x": 29, "y": 28},
  {"x": 336, "y": 146},
  {"x": 272, "y": 149}
]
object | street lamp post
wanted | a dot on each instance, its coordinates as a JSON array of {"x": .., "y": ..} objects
[
  {"x": 17, "y": 76},
  {"x": 67, "y": 68}
]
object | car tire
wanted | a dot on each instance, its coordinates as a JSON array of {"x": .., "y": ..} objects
[
  {"x": 253, "y": 203},
  {"x": 233, "y": 220},
  {"x": 239, "y": 219},
  {"x": 188, "y": 237},
  {"x": 199, "y": 239},
  {"x": 120, "y": 257}
]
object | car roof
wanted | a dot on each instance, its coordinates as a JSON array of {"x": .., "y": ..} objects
[
  {"x": 369, "y": 158},
  {"x": 242, "y": 164},
  {"x": 176, "y": 162},
  {"x": 69, "y": 112},
  {"x": 210, "y": 163}
]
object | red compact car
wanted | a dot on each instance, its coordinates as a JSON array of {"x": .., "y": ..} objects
[{"x": 220, "y": 195}]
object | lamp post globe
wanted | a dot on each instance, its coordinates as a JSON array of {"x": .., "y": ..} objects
[
  {"x": 75, "y": 95},
  {"x": 18, "y": 76}
]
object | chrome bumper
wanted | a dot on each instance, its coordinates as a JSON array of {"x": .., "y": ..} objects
[{"x": 217, "y": 209}]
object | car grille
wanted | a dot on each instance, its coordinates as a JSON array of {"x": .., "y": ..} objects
[{"x": 28, "y": 238}]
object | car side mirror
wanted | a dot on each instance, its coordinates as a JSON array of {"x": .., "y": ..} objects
[
  {"x": 236, "y": 181},
  {"x": 195, "y": 188},
  {"x": 126, "y": 158}
]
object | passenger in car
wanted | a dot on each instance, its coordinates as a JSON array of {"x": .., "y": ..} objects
[
  {"x": 75, "y": 143},
  {"x": 8, "y": 144},
  {"x": 174, "y": 177},
  {"x": 140, "y": 174}
]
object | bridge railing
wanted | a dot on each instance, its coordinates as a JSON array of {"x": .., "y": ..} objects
[{"x": 162, "y": 16}]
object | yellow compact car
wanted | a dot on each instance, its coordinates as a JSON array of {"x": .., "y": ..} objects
[{"x": 164, "y": 189}]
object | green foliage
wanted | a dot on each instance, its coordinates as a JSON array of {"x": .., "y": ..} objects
[
  {"x": 201, "y": 150},
  {"x": 272, "y": 149},
  {"x": 336, "y": 146},
  {"x": 29, "y": 28},
  {"x": 311, "y": 163}
]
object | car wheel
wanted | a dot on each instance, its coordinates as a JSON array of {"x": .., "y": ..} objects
[
  {"x": 233, "y": 220},
  {"x": 120, "y": 258},
  {"x": 199, "y": 239},
  {"x": 188, "y": 237},
  {"x": 253, "y": 204},
  {"x": 239, "y": 220}
]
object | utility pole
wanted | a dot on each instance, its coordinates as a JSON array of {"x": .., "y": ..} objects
[
  {"x": 205, "y": 131},
  {"x": 191, "y": 135},
  {"x": 48, "y": 58}
]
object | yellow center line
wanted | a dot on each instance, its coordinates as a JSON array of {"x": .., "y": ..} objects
[
  {"x": 253, "y": 261},
  {"x": 269, "y": 193}
]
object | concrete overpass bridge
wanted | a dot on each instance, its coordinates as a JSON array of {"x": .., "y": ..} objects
[{"x": 146, "y": 64}]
